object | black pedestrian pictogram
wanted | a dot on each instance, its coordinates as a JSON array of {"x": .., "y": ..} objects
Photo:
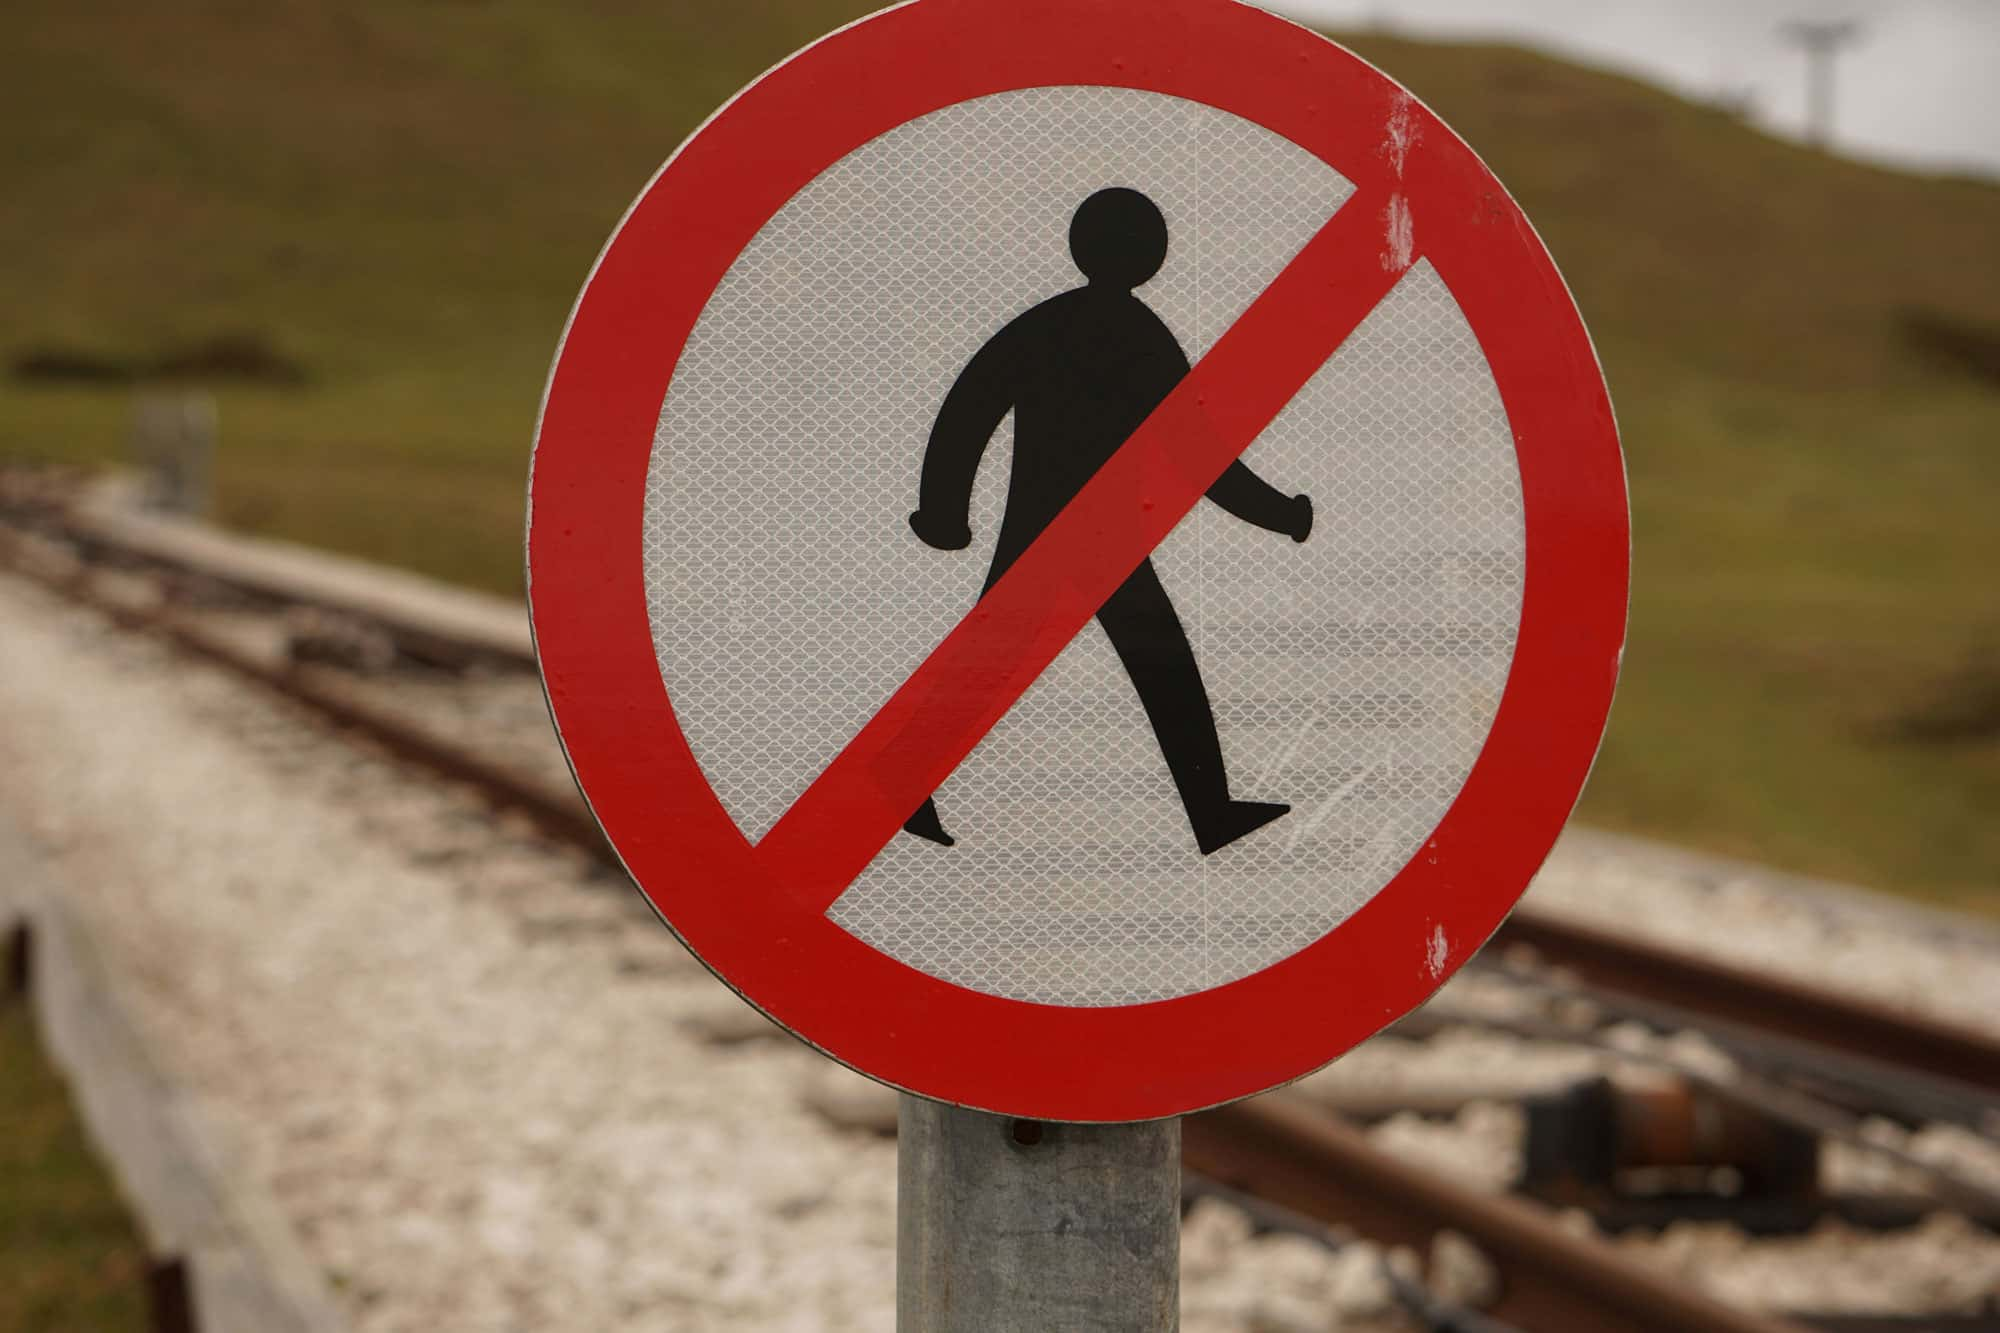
[{"x": 1080, "y": 372}]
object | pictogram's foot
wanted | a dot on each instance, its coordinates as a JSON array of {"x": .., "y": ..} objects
[
  {"x": 926, "y": 824},
  {"x": 1233, "y": 821}
]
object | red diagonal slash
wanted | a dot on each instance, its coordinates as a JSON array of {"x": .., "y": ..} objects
[{"x": 989, "y": 660}]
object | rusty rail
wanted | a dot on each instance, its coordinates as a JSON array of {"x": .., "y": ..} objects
[
  {"x": 1638, "y": 970},
  {"x": 1664, "y": 975},
  {"x": 1280, "y": 1149},
  {"x": 558, "y": 813}
]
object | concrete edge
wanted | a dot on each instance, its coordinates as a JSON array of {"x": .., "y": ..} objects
[
  {"x": 315, "y": 576},
  {"x": 169, "y": 1160}
]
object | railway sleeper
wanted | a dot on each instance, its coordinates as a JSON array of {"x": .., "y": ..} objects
[
  {"x": 1642, "y": 1153},
  {"x": 1642, "y": 1135}
]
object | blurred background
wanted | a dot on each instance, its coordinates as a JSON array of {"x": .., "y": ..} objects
[
  {"x": 357, "y": 226},
  {"x": 361, "y": 226}
]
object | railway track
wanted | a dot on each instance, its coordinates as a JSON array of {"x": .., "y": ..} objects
[
  {"x": 1638, "y": 972},
  {"x": 1818, "y": 1059}
]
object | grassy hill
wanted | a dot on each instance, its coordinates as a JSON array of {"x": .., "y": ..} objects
[{"x": 377, "y": 213}]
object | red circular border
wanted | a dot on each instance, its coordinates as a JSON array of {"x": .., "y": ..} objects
[{"x": 588, "y": 601}]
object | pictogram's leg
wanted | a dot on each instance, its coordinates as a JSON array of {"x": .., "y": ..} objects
[
  {"x": 926, "y": 824},
  {"x": 1147, "y": 634},
  {"x": 1154, "y": 648}
]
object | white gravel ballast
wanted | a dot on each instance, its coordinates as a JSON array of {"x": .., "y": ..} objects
[
  {"x": 460, "y": 1070},
  {"x": 488, "y": 1091}
]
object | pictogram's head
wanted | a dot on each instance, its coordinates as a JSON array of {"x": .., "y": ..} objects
[{"x": 1118, "y": 238}]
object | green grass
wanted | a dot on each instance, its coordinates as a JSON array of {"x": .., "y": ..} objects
[
  {"x": 404, "y": 199},
  {"x": 70, "y": 1260}
]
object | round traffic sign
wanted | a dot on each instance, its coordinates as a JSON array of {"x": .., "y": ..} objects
[{"x": 1078, "y": 551}]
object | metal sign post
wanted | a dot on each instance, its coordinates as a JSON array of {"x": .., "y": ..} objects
[{"x": 1006, "y": 1224}]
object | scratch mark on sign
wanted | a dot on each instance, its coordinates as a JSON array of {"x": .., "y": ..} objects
[
  {"x": 1292, "y": 747},
  {"x": 1400, "y": 241},
  {"x": 1402, "y": 132},
  {"x": 1438, "y": 954},
  {"x": 1307, "y": 827}
]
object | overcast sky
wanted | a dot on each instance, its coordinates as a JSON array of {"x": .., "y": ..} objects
[{"x": 1919, "y": 88}]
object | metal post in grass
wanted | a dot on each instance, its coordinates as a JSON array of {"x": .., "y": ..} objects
[
  {"x": 1006, "y": 1224},
  {"x": 173, "y": 442}
]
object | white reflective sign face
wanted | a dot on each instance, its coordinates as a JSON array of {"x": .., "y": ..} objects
[{"x": 1353, "y": 676}]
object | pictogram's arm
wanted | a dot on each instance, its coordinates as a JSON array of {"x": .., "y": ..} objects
[
  {"x": 1242, "y": 492},
  {"x": 1256, "y": 501},
  {"x": 981, "y": 397}
]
